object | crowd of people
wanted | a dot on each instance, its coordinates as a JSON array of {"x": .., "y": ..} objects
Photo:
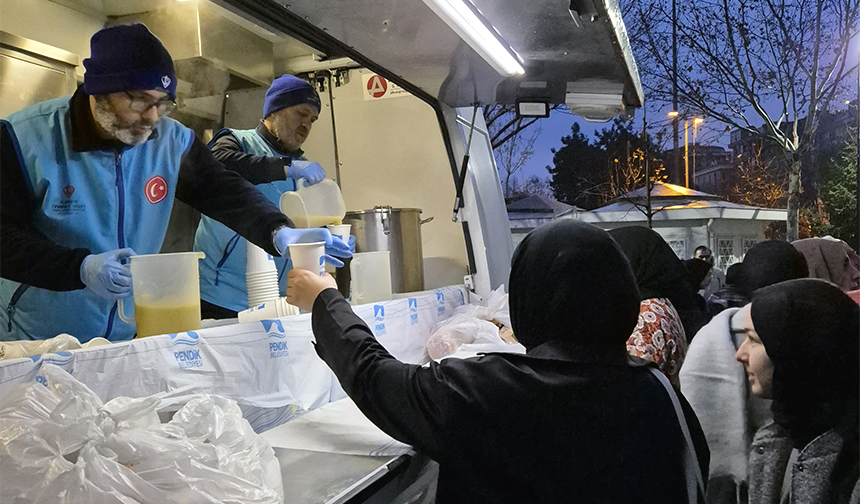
[{"x": 644, "y": 379}]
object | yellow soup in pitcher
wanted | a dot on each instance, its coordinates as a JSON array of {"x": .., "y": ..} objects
[{"x": 154, "y": 319}]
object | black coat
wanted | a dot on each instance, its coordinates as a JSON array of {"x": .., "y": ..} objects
[{"x": 563, "y": 423}]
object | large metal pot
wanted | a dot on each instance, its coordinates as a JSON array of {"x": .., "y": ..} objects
[{"x": 397, "y": 230}]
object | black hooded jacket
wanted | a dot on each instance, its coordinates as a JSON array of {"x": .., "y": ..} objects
[{"x": 573, "y": 420}]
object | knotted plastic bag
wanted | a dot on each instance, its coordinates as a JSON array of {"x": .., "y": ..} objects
[
  {"x": 473, "y": 324},
  {"x": 59, "y": 443}
]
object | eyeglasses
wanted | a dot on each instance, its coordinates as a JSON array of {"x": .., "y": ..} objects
[{"x": 140, "y": 104}]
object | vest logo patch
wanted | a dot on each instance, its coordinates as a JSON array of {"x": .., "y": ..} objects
[
  {"x": 66, "y": 205},
  {"x": 155, "y": 189}
]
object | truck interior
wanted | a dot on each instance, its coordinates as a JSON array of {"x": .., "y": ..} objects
[{"x": 401, "y": 93}]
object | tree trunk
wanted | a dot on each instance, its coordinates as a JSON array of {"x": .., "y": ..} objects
[{"x": 794, "y": 189}]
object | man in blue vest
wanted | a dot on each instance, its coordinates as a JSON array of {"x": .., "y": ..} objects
[
  {"x": 269, "y": 156},
  {"x": 87, "y": 181}
]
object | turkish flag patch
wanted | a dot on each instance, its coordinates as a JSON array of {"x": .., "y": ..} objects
[{"x": 155, "y": 189}]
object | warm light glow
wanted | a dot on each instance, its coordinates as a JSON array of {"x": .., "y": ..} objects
[
  {"x": 466, "y": 24},
  {"x": 698, "y": 121},
  {"x": 673, "y": 113}
]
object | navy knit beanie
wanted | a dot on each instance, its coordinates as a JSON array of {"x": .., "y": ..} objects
[
  {"x": 287, "y": 91},
  {"x": 128, "y": 58}
]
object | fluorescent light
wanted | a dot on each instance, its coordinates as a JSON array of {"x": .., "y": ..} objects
[{"x": 471, "y": 29}]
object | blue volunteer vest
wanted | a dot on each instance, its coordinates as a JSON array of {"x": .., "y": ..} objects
[
  {"x": 100, "y": 200},
  {"x": 222, "y": 272}
]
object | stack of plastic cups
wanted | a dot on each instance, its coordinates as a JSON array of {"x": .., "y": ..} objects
[{"x": 261, "y": 276}]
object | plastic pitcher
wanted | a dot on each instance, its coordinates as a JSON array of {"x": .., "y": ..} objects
[
  {"x": 166, "y": 293},
  {"x": 371, "y": 277},
  {"x": 311, "y": 206}
]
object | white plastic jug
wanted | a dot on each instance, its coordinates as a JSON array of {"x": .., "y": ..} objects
[
  {"x": 166, "y": 293},
  {"x": 370, "y": 274},
  {"x": 311, "y": 206}
]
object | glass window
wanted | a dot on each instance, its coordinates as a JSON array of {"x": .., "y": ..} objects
[
  {"x": 748, "y": 243},
  {"x": 726, "y": 252},
  {"x": 679, "y": 247}
]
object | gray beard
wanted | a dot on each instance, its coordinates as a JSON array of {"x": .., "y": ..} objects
[
  {"x": 282, "y": 131},
  {"x": 107, "y": 121}
]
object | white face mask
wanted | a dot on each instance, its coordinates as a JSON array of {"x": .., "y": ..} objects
[{"x": 127, "y": 132}]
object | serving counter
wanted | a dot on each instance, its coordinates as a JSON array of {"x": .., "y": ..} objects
[{"x": 271, "y": 370}]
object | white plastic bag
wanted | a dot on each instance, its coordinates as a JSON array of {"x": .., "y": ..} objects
[
  {"x": 26, "y": 348},
  {"x": 471, "y": 324},
  {"x": 60, "y": 444}
]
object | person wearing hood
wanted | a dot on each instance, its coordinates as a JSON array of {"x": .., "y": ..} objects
[
  {"x": 89, "y": 180},
  {"x": 659, "y": 335},
  {"x": 715, "y": 383},
  {"x": 832, "y": 260},
  {"x": 573, "y": 419},
  {"x": 802, "y": 350}
]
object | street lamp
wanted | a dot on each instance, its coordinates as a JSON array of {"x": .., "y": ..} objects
[{"x": 696, "y": 122}]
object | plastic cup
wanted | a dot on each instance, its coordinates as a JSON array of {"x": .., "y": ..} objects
[
  {"x": 274, "y": 308},
  {"x": 260, "y": 300},
  {"x": 261, "y": 276},
  {"x": 308, "y": 256},
  {"x": 341, "y": 231},
  {"x": 95, "y": 342},
  {"x": 262, "y": 282},
  {"x": 259, "y": 260}
]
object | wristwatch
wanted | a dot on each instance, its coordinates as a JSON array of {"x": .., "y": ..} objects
[{"x": 274, "y": 234}]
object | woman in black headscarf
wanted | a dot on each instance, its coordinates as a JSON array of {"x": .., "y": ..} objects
[
  {"x": 803, "y": 351},
  {"x": 667, "y": 308},
  {"x": 573, "y": 418}
]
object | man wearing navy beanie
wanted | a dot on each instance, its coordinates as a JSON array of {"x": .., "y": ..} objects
[
  {"x": 87, "y": 181},
  {"x": 271, "y": 157}
]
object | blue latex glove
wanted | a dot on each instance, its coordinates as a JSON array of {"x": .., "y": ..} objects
[
  {"x": 351, "y": 244},
  {"x": 334, "y": 246},
  {"x": 105, "y": 275},
  {"x": 308, "y": 170}
]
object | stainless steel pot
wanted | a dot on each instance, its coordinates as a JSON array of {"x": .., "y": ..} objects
[{"x": 397, "y": 230}]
